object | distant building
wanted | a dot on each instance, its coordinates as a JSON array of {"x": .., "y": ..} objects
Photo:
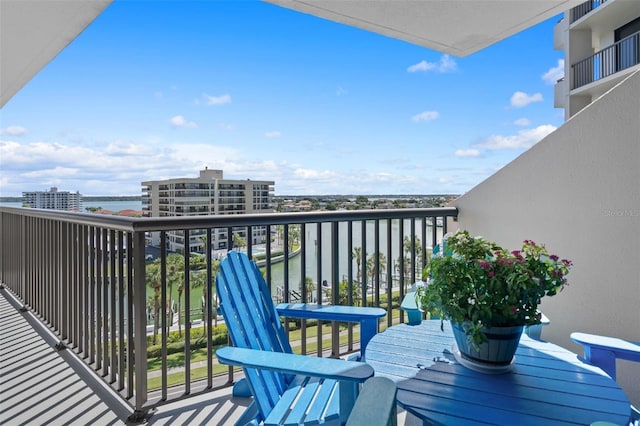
[
  {"x": 53, "y": 199},
  {"x": 601, "y": 44},
  {"x": 208, "y": 194}
]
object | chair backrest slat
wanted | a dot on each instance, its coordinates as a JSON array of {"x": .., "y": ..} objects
[
  {"x": 252, "y": 322},
  {"x": 256, "y": 295}
]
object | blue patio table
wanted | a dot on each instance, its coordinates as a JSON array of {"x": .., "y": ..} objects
[{"x": 546, "y": 384}]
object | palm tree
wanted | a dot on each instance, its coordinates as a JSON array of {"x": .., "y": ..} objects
[
  {"x": 175, "y": 276},
  {"x": 238, "y": 241},
  {"x": 374, "y": 268},
  {"x": 310, "y": 288},
  {"x": 279, "y": 235},
  {"x": 153, "y": 280},
  {"x": 203, "y": 242},
  {"x": 357, "y": 256},
  {"x": 417, "y": 252},
  {"x": 343, "y": 293},
  {"x": 199, "y": 280},
  {"x": 294, "y": 235}
]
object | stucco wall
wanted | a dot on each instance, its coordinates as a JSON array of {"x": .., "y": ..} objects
[{"x": 578, "y": 191}]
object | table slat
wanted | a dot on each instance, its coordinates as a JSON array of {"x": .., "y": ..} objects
[{"x": 547, "y": 384}]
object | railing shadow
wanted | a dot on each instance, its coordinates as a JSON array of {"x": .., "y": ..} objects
[{"x": 42, "y": 385}]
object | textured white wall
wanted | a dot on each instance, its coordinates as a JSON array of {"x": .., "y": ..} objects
[{"x": 578, "y": 191}]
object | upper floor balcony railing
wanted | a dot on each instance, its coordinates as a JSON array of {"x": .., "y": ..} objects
[
  {"x": 584, "y": 8},
  {"x": 617, "y": 57},
  {"x": 132, "y": 311}
]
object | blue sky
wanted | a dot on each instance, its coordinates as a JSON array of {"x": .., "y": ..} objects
[{"x": 160, "y": 89}]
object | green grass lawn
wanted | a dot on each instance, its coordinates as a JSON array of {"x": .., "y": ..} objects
[{"x": 197, "y": 373}]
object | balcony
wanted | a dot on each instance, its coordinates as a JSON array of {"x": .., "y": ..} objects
[
  {"x": 623, "y": 55},
  {"x": 87, "y": 287},
  {"x": 575, "y": 190},
  {"x": 559, "y": 93},
  {"x": 584, "y": 9}
]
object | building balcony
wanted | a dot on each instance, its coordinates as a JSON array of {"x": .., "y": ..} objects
[
  {"x": 81, "y": 294},
  {"x": 584, "y": 9},
  {"x": 619, "y": 59},
  {"x": 602, "y": 16},
  {"x": 559, "y": 34},
  {"x": 560, "y": 93}
]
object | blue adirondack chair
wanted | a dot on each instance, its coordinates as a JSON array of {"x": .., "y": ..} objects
[
  {"x": 286, "y": 388},
  {"x": 376, "y": 404},
  {"x": 603, "y": 351}
]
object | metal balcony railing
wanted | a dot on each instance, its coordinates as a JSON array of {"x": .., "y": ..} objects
[
  {"x": 584, "y": 8},
  {"x": 112, "y": 300},
  {"x": 617, "y": 57}
]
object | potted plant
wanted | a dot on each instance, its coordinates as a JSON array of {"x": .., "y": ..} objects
[{"x": 483, "y": 289}]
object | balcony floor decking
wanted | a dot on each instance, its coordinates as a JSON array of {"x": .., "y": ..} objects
[{"x": 40, "y": 385}]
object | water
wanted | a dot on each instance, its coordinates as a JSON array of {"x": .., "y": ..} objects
[
  {"x": 114, "y": 206},
  {"x": 311, "y": 270}
]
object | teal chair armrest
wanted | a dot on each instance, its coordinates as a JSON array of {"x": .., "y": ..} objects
[
  {"x": 328, "y": 368},
  {"x": 376, "y": 404}
]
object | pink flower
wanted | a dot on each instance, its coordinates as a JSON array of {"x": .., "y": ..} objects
[
  {"x": 554, "y": 257},
  {"x": 503, "y": 262},
  {"x": 517, "y": 254}
]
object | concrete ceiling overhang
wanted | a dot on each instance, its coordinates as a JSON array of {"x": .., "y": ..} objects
[
  {"x": 457, "y": 27},
  {"x": 33, "y": 32}
]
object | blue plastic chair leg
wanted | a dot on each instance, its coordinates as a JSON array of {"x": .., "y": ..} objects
[{"x": 241, "y": 388}]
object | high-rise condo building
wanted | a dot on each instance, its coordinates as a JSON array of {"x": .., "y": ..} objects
[
  {"x": 208, "y": 194},
  {"x": 601, "y": 43},
  {"x": 53, "y": 199}
]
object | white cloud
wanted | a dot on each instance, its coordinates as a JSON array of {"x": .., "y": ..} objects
[
  {"x": 55, "y": 172},
  {"x": 272, "y": 135},
  {"x": 522, "y": 122},
  {"x": 521, "y": 99},
  {"x": 421, "y": 66},
  {"x": 445, "y": 64},
  {"x": 524, "y": 139},
  {"x": 555, "y": 73},
  {"x": 341, "y": 91},
  {"x": 13, "y": 131},
  {"x": 124, "y": 148},
  {"x": 217, "y": 100},
  {"x": 180, "y": 121},
  {"x": 108, "y": 169},
  {"x": 301, "y": 173},
  {"x": 46, "y": 155},
  {"x": 467, "y": 153},
  {"x": 425, "y": 116}
]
